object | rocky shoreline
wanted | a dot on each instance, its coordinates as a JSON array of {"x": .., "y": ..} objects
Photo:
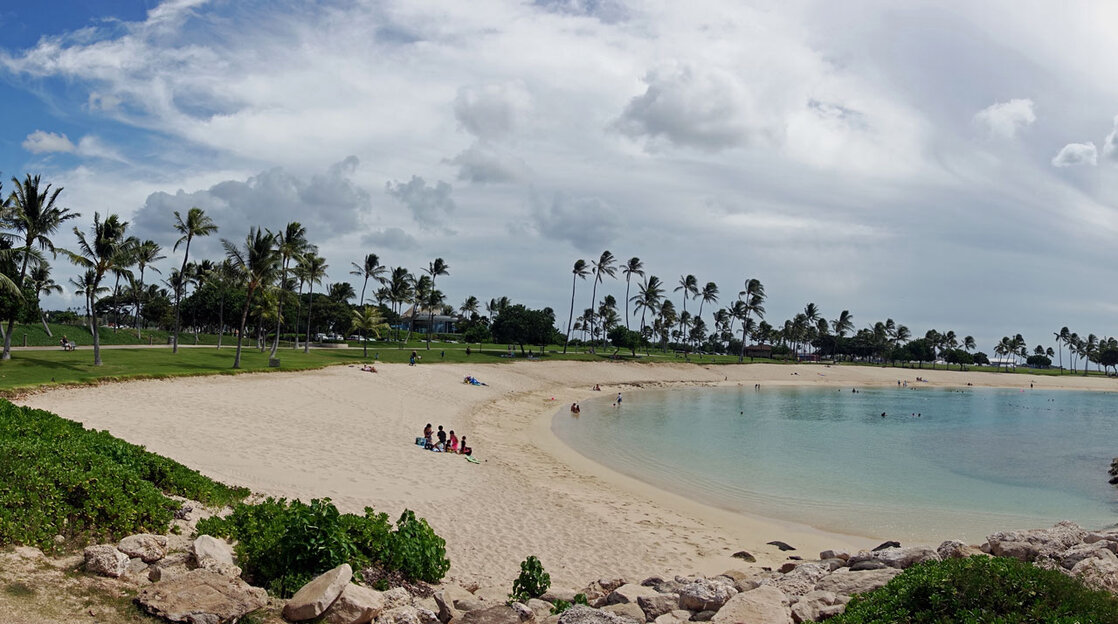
[{"x": 197, "y": 581}]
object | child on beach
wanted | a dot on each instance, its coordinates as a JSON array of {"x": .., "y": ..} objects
[
  {"x": 442, "y": 439},
  {"x": 453, "y": 443},
  {"x": 618, "y": 404},
  {"x": 465, "y": 450},
  {"x": 427, "y": 436}
]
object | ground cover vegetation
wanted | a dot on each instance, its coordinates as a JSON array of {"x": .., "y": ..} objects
[
  {"x": 281, "y": 544},
  {"x": 982, "y": 589},
  {"x": 58, "y": 478},
  {"x": 264, "y": 291}
]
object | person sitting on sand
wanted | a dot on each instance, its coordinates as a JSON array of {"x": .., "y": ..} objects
[
  {"x": 597, "y": 388},
  {"x": 427, "y": 431},
  {"x": 465, "y": 450},
  {"x": 442, "y": 439},
  {"x": 368, "y": 368},
  {"x": 453, "y": 448}
]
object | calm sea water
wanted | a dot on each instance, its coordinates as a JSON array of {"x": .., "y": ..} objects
[{"x": 974, "y": 461}]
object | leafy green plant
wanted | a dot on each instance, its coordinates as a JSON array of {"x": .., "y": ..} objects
[
  {"x": 58, "y": 478},
  {"x": 416, "y": 550},
  {"x": 532, "y": 582},
  {"x": 981, "y": 589},
  {"x": 560, "y": 606}
]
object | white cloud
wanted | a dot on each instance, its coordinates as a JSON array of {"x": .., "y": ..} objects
[
  {"x": 492, "y": 112},
  {"x": 40, "y": 142},
  {"x": 1110, "y": 145},
  {"x": 1075, "y": 154},
  {"x": 1005, "y": 119}
]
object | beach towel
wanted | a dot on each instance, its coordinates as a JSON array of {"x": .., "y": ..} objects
[{"x": 470, "y": 458}]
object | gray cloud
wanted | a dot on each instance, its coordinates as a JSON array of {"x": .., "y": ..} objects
[
  {"x": 493, "y": 111},
  {"x": 588, "y": 223},
  {"x": 429, "y": 205},
  {"x": 390, "y": 238},
  {"x": 1005, "y": 119},
  {"x": 1110, "y": 146},
  {"x": 1074, "y": 154},
  {"x": 481, "y": 164},
  {"x": 608, "y": 11},
  {"x": 689, "y": 107},
  {"x": 328, "y": 205}
]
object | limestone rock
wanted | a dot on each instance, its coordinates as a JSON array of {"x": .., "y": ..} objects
[
  {"x": 897, "y": 557},
  {"x": 835, "y": 554},
  {"x": 703, "y": 616},
  {"x": 628, "y": 610},
  {"x": 149, "y": 548},
  {"x": 955, "y": 549},
  {"x": 1098, "y": 573},
  {"x": 833, "y": 563},
  {"x": 787, "y": 567},
  {"x": 581, "y": 614},
  {"x": 171, "y": 566},
  {"x": 870, "y": 564},
  {"x": 355, "y": 605},
  {"x": 427, "y": 616},
  {"x": 106, "y": 560},
  {"x": 705, "y": 595},
  {"x": 201, "y": 596},
  {"x": 628, "y": 593},
  {"x": 208, "y": 547},
  {"x": 802, "y": 580},
  {"x": 849, "y": 583},
  {"x": 397, "y": 597},
  {"x": 540, "y": 608},
  {"x": 764, "y": 605},
  {"x": 1017, "y": 550},
  {"x": 1074, "y": 555},
  {"x": 500, "y": 614},
  {"x": 655, "y": 606},
  {"x": 472, "y": 603},
  {"x": 403, "y": 614},
  {"x": 315, "y": 597},
  {"x": 816, "y": 606},
  {"x": 1049, "y": 542},
  {"x": 445, "y": 600},
  {"x": 678, "y": 616},
  {"x": 609, "y": 585},
  {"x": 554, "y": 595}
]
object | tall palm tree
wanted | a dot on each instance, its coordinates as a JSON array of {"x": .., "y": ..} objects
[
  {"x": 370, "y": 268},
  {"x": 86, "y": 287},
  {"x": 841, "y": 325},
  {"x": 255, "y": 266},
  {"x": 709, "y": 294},
  {"x": 400, "y": 290},
  {"x": 633, "y": 267},
  {"x": 969, "y": 344},
  {"x": 690, "y": 287},
  {"x": 290, "y": 244},
  {"x": 147, "y": 253},
  {"x": 368, "y": 320},
  {"x": 420, "y": 290},
  {"x": 195, "y": 224},
  {"x": 222, "y": 277},
  {"x": 470, "y": 307},
  {"x": 1062, "y": 337},
  {"x": 650, "y": 297},
  {"x": 127, "y": 257},
  {"x": 33, "y": 217},
  {"x": 434, "y": 269},
  {"x": 315, "y": 267},
  {"x": 43, "y": 284},
  {"x": 580, "y": 271},
  {"x": 754, "y": 299},
  {"x": 604, "y": 266},
  {"x": 99, "y": 253}
]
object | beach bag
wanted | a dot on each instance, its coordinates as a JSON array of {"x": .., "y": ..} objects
[{"x": 421, "y": 441}]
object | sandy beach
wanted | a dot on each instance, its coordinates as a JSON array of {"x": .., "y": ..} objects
[{"x": 349, "y": 435}]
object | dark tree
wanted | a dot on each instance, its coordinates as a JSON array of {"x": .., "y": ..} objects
[{"x": 519, "y": 325}]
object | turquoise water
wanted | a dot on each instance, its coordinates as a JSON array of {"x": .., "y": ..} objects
[{"x": 975, "y": 460}]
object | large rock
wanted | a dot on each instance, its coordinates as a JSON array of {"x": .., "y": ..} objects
[
  {"x": 655, "y": 606},
  {"x": 679, "y": 616},
  {"x": 896, "y": 557},
  {"x": 500, "y": 614},
  {"x": 835, "y": 554},
  {"x": 106, "y": 560},
  {"x": 1032, "y": 543},
  {"x": 581, "y": 614},
  {"x": 1074, "y": 555},
  {"x": 149, "y": 548},
  {"x": 849, "y": 583},
  {"x": 315, "y": 597},
  {"x": 705, "y": 595},
  {"x": 554, "y": 595},
  {"x": 201, "y": 597},
  {"x": 446, "y": 598},
  {"x": 540, "y": 608},
  {"x": 403, "y": 614},
  {"x": 398, "y": 597},
  {"x": 801, "y": 580},
  {"x": 1098, "y": 573},
  {"x": 629, "y": 593},
  {"x": 817, "y": 606},
  {"x": 208, "y": 547},
  {"x": 355, "y": 605},
  {"x": 764, "y": 605},
  {"x": 172, "y": 566},
  {"x": 955, "y": 549},
  {"x": 628, "y": 610}
]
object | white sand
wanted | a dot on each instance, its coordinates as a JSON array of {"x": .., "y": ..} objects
[{"x": 349, "y": 435}]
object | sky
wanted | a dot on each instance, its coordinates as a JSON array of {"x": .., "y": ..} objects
[{"x": 950, "y": 165}]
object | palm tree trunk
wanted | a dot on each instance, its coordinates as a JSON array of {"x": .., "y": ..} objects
[
  {"x": 570, "y": 318},
  {"x": 96, "y": 334},
  {"x": 220, "y": 319},
  {"x": 310, "y": 307},
  {"x": 744, "y": 324},
  {"x": 628, "y": 278},
  {"x": 178, "y": 296},
  {"x": 7, "y": 355},
  {"x": 46, "y": 328},
  {"x": 139, "y": 294},
  {"x": 279, "y": 310},
  {"x": 241, "y": 332}
]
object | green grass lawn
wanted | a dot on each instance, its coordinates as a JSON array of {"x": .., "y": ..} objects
[{"x": 33, "y": 335}]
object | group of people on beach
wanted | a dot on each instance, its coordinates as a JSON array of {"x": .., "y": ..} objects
[{"x": 445, "y": 444}]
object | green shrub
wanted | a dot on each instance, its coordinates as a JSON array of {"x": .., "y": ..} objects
[
  {"x": 416, "y": 550},
  {"x": 532, "y": 582},
  {"x": 57, "y": 478},
  {"x": 981, "y": 589},
  {"x": 283, "y": 544}
]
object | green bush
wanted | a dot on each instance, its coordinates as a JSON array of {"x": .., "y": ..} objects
[
  {"x": 57, "y": 478},
  {"x": 532, "y": 582},
  {"x": 980, "y": 590},
  {"x": 283, "y": 544}
]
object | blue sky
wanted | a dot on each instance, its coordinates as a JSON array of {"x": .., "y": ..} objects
[{"x": 946, "y": 164}]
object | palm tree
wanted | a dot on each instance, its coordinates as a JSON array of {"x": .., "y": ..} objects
[
  {"x": 368, "y": 320},
  {"x": 969, "y": 344},
  {"x": 470, "y": 307},
  {"x": 33, "y": 217},
  {"x": 127, "y": 257},
  {"x": 43, "y": 284},
  {"x": 222, "y": 276},
  {"x": 604, "y": 266},
  {"x": 1062, "y": 337},
  {"x": 87, "y": 288},
  {"x": 633, "y": 266},
  {"x": 580, "y": 272},
  {"x": 649, "y": 298},
  {"x": 400, "y": 290},
  {"x": 341, "y": 292},
  {"x": 690, "y": 287},
  {"x": 841, "y": 325},
  {"x": 99, "y": 253},
  {"x": 255, "y": 265},
  {"x": 754, "y": 299},
  {"x": 291, "y": 243},
  {"x": 196, "y": 223},
  {"x": 434, "y": 269},
  {"x": 315, "y": 267},
  {"x": 709, "y": 294},
  {"x": 370, "y": 268},
  {"x": 420, "y": 290},
  {"x": 146, "y": 253}
]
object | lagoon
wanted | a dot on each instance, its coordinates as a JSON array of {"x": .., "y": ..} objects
[{"x": 974, "y": 461}]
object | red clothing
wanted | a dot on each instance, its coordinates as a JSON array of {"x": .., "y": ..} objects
[{"x": 453, "y": 442}]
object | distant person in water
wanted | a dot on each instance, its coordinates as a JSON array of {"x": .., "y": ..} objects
[{"x": 883, "y": 414}]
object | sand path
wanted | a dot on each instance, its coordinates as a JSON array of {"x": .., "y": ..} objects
[{"x": 349, "y": 435}]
